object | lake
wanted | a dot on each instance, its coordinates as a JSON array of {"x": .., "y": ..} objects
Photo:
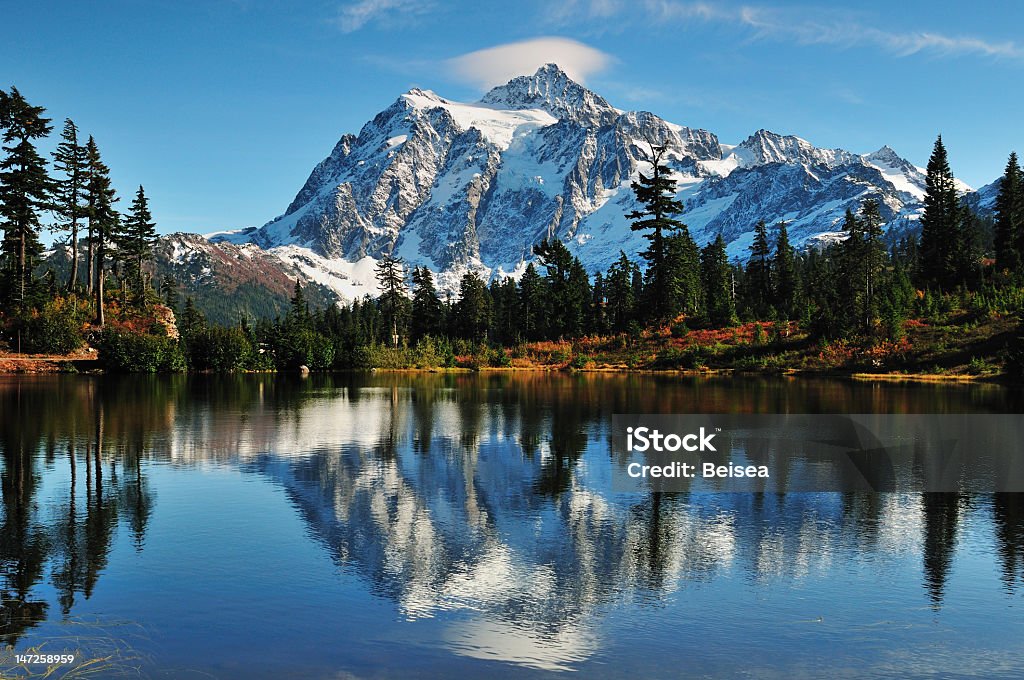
[{"x": 462, "y": 525}]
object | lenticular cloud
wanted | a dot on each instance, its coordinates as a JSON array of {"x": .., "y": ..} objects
[{"x": 496, "y": 65}]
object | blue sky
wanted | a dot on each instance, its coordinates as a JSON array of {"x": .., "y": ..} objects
[{"x": 222, "y": 107}]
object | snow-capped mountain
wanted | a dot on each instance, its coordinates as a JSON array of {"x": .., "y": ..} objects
[{"x": 453, "y": 185}]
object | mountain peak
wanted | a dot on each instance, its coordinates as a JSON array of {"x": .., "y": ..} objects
[
  {"x": 552, "y": 90},
  {"x": 766, "y": 146}
]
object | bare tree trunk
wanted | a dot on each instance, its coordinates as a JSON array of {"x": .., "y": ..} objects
[
  {"x": 99, "y": 282},
  {"x": 92, "y": 261},
  {"x": 73, "y": 276}
]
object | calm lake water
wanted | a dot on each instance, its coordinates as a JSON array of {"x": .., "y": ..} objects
[{"x": 464, "y": 526}]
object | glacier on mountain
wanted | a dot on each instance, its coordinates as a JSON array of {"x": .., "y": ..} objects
[{"x": 453, "y": 185}]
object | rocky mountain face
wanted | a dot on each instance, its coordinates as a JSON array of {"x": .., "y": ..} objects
[
  {"x": 230, "y": 282},
  {"x": 455, "y": 185}
]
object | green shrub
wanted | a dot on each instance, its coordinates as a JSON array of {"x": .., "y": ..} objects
[
  {"x": 498, "y": 358},
  {"x": 215, "y": 348},
  {"x": 56, "y": 329},
  {"x": 679, "y": 329},
  {"x": 580, "y": 361},
  {"x": 304, "y": 347},
  {"x": 128, "y": 352}
]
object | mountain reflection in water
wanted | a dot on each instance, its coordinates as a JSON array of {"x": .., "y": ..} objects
[{"x": 482, "y": 503}]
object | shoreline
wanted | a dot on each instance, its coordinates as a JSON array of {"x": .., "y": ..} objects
[{"x": 86, "y": 364}]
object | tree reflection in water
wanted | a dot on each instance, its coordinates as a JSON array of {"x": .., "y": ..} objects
[{"x": 486, "y": 493}]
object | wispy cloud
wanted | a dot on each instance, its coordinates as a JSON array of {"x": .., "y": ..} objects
[
  {"x": 801, "y": 26},
  {"x": 837, "y": 29},
  {"x": 356, "y": 15},
  {"x": 496, "y": 65}
]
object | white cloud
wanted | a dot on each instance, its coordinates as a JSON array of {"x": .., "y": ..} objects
[
  {"x": 356, "y": 15},
  {"x": 497, "y": 65},
  {"x": 839, "y": 30}
]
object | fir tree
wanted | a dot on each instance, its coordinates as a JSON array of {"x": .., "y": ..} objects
[
  {"x": 136, "y": 239},
  {"x": 758, "y": 275},
  {"x": 656, "y": 192},
  {"x": 71, "y": 161},
  {"x": 25, "y": 189},
  {"x": 169, "y": 292},
  {"x": 598, "y": 320},
  {"x": 717, "y": 278},
  {"x": 874, "y": 258},
  {"x": 940, "y": 223},
  {"x": 850, "y": 282},
  {"x": 784, "y": 274},
  {"x": 682, "y": 264},
  {"x": 390, "y": 274},
  {"x": 192, "y": 319},
  {"x": 426, "y": 305},
  {"x": 1009, "y": 228},
  {"x": 532, "y": 304},
  {"x": 298, "y": 310},
  {"x": 103, "y": 219},
  {"x": 619, "y": 291},
  {"x": 577, "y": 300},
  {"x": 473, "y": 310},
  {"x": 557, "y": 261},
  {"x": 504, "y": 299},
  {"x": 969, "y": 249}
]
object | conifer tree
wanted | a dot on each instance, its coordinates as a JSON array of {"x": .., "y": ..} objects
[
  {"x": 390, "y": 272},
  {"x": 532, "y": 304},
  {"x": 298, "y": 310},
  {"x": 969, "y": 249},
  {"x": 758, "y": 275},
  {"x": 619, "y": 291},
  {"x": 576, "y": 303},
  {"x": 71, "y": 161},
  {"x": 598, "y": 320},
  {"x": 473, "y": 310},
  {"x": 504, "y": 299},
  {"x": 426, "y": 305},
  {"x": 558, "y": 263},
  {"x": 874, "y": 255},
  {"x": 717, "y": 278},
  {"x": 1009, "y": 227},
  {"x": 682, "y": 263},
  {"x": 656, "y": 193},
  {"x": 136, "y": 239},
  {"x": 25, "y": 189},
  {"x": 104, "y": 221},
  {"x": 169, "y": 291},
  {"x": 784, "y": 274},
  {"x": 940, "y": 223}
]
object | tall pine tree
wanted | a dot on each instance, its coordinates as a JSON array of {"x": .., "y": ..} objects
[
  {"x": 940, "y": 223},
  {"x": 874, "y": 254},
  {"x": 784, "y": 274},
  {"x": 619, "y": 291},
  {"x": 136, "y": 239},
  {"x": 718, "y": 290},
  {"x": 1009, "y": 236},
  {"x": 473, "y": 310},
  {"x": 682, "y": 263},
  {"x": 25, "y": 190},
  {"x": 532, "y": 304},
  {"x": 426, "y": 305},
  {"x": 758, "y": 275},
  {"x": 104, "y": 221},
  {"x": 390, "y": 274},
  {"x": 71, "y": 161},
  {"x": 656, "y": 193}
]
